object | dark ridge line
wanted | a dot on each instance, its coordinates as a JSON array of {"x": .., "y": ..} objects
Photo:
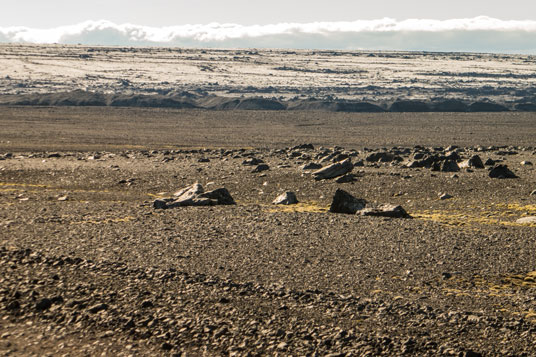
[{"x": 188, "y": 100}]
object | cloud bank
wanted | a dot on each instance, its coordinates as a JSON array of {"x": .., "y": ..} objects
[{"x": 480, "y": 34}]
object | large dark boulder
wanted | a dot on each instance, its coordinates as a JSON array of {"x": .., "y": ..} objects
[
  {"x": 501, "y": 172},
  {"x": 343, "y": 202}
]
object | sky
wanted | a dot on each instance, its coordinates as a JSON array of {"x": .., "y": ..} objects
[
  {"x": 488, "y": 25},
  {"x": 157, "y": 13}
]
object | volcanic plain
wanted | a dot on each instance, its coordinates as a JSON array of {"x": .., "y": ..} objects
[{"x": 89, "y": 266}]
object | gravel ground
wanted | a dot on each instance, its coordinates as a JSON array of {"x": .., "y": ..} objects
[{"x": 88, "y": 266}]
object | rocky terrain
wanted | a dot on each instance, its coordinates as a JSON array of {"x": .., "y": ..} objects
[
  {"x": 91, "y": 265},
  {"x": 332, "y": 81}
]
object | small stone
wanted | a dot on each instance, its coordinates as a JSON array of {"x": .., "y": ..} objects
[
  {"x": 343, "y": 202},
  {"x": 527, "y": 220},
  {"x": 287, "y": 198},
  {"x": 252, "y": 162},
  {"x": 445, "y": 196},
  {"x": 166, "y": 346},
  {"x": 346, "y": 178},
  {"x": 63, "y": 198},
  {"x": 526, "y": 163},
  {"x": 96, "y": 308},
  {"x": 533, "y": 193},
  {"x": 311, "y": 166},
  {"x": 160, "y": 204},
  {"x": 489, "y": 162},
  {"x": 14, "y": 305},
  {"x": 260, "y": 168},
  {"x": 282, "y": 346},
  {"x": 43, "y": 304},
  {"x": 146, "y": 304}
]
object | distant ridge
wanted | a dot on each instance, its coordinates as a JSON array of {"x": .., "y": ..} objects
[{"x": 186, "y": 100}]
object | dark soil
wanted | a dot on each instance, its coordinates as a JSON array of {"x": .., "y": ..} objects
[{"x": 88, "y": 266}]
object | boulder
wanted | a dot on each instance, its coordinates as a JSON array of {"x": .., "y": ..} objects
[
  {"x": 501, "y": 172},
  {"x": 343, "y": 202},
  {"x": 346, "y": 178},
  {"x": 311, "y": 166},
  {"x": 527, "y": 220},
  {"x": 260, "y": 168},
  {"x": 160, "y": 204},
  {"x": 473, "y": 162},
  {"x": 287, "y": 198},
  {"x": 380, "y": 157},
  {"x": 489, "y": 162},
  {"x": 221, "y": 195},
  {"x": 194, "y": 195},
  {"x": 391, "y": 211},
  {"x": 189, "y": 192},
  {"x": 334, "y": 170},
  {"x": 252, "y": 161},
  {"x": 450, "y": 166}
]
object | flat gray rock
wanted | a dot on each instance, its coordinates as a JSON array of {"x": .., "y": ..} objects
[
  {"x": 334, "y": 170},
  {"x": 527, "y": 220},
  {"x": 391, "y": 211}
]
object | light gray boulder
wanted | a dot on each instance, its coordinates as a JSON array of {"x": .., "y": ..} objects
[
  {"x": 334, "y": 170},
  {"x": 287, "y": 198}
]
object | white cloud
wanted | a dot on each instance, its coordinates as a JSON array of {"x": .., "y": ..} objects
[{"x": 477, "y": 34}]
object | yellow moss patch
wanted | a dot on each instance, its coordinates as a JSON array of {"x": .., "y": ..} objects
[
  {"x": 313, "y": 207},
  {"x": 494, "y": 215},
  {"x": 517, "y": 207},
  {"x": 21, "y": 184}
]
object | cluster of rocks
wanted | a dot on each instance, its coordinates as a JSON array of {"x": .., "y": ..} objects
[{"x": 195, "y": 195}]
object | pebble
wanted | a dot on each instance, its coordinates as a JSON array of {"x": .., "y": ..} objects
[{"x": 445, "y": 196}]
